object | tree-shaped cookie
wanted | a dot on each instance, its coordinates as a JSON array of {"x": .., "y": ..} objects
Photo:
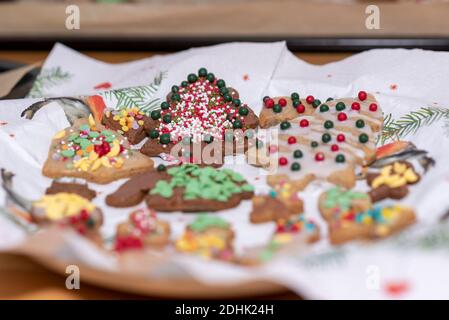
[
  {"x": 87, "y": 150},
  {"x": 324, "y": 141},
  {"x": 198, "y": 112}
]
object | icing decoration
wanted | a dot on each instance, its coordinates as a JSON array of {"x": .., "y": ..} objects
[
  {"x": 63, "y": 205},
  {"x": 341, "y": 199},
  {"x": 203, "y": 222},
  {"x": 88, "y": 149},
  {"x": 382, "y": 217},
  {"x": 201, "y": 105},
  {"x": 202, "y": 239},
  {"x": 395, "y": 175},
  {"x": 130, "y": 118},
  {"x": 202, "y": 183}
]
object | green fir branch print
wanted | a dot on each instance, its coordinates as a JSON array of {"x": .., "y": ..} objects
[
  {"x": 140, "y": 97},
  {"x": 48, "y": 78},
  {"x": 410, "y": 123}
]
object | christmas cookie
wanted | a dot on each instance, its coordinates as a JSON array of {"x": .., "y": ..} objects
[
  {"x": 199, "y": 111},
  {"x": 392, "y": 181},
  {"x": 187, "y": 187},
  {"x": 87, "y": 150},
  {"x": 337, "y": 201},
  {"x": 378, "y": 222},
  {"x": 208, "y": 236},
  {"x": 69, "y": 210},
  {"x": 142, "y": 230},
  {"x": 130, "y": 122},
  {"x": 321, "y": 141},
  {"x": 278, "y": 204},
  {"x": 295, "y": 231},
  {"x": 82, "y": 190}
]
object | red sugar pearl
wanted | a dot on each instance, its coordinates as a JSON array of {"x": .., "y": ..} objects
[
  {"x": 301, "y": 108},
  {"x": 342, "y": 116},
  {"x": 282, "y": 102},
  {"x": 310, "y": 99},
  {"x": 373, "y": 107},
  {"x": 341, "y": 137},
  {"x": 269, "y": 103},
  {"x": 319, "y": 156},
  {"x": 291, "y": 140},
  {"x": 283, "y": 161},
  {"x": 304, "y": 123},
  {"x": 362, "y": 95},
  {"x": 334, "y": 148},
  {"x": 355, "y": 106}
]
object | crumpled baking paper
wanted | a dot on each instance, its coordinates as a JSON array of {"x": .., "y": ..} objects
[{"x": 409, "y": 266}]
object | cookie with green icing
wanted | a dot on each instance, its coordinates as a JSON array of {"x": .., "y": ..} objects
[
  {"x": 208, "y": 236},
  {"x": 337, "y": 201},
  {"x": 188, "y": 187}
]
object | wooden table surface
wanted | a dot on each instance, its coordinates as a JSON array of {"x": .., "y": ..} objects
[{"x": 20, "y": 277}]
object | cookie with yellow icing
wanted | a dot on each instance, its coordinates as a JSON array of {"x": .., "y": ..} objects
[
  {"x": 392, "y": 181},
  {"x": 210, "y": 237},
  {"x": 130, "y": 122},
  {"x": 69, "y": 210},
  {"x": 87, "y": 150},
  {"x": 377, "y": 222}
]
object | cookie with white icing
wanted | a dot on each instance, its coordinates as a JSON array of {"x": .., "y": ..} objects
[{"x": 320, "y": 141}]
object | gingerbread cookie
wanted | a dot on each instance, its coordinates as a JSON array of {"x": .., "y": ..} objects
[
  {"x": 130, "y": 122},
  {"x": 324, "y": 141},
  {"x": 378, "y": 222},
  {"x": 188, "y": 187},
  {"x": 69, "y": 210},
  {"x": 87, "y": 150},
  {"x": 82, "y": 190},
  {"x": 392, "y": 181},
  {"x": 199, "y": 111},
  {"x": 278, "y": 204},
  {"x": 337, "y": 201},
  {"x": 208, "y": 236},
  {"x": 142, "y": 230},
  {"x": 294, "y": 231}
]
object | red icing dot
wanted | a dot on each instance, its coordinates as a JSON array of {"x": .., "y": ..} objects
[
  {"x": 319, "y": 156},
  {"x": 342, "y": 116},
  {"x": 269, "y": 103},
  {"x": 291, "y": 140},
  {"x": 373, "y": 107},
  {"x": 341, "y": 137},
  {"x": 355, "y": 106},
  {"x": 283, "y": 161},
  {"x": 334, "y": 147},
  {"x": 282, "y": 102},
  {"x": 301, "y": 108},
  {"x": 310, "y": 99},
  {"x": 362, "y": 95},
  {"x": 84, "y": 215},
  {"x": 304, "y": 123}
]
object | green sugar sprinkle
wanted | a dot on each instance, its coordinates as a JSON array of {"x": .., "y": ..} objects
[{"x": 202, "y": 183}]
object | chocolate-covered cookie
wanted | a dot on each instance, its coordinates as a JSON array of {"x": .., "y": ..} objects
[
  {"x": 198, "y": 111},
  {"x": 392, "y": 181},
  {"x": 187, "y": 187},
  {"x": 82, "y": 190}
]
